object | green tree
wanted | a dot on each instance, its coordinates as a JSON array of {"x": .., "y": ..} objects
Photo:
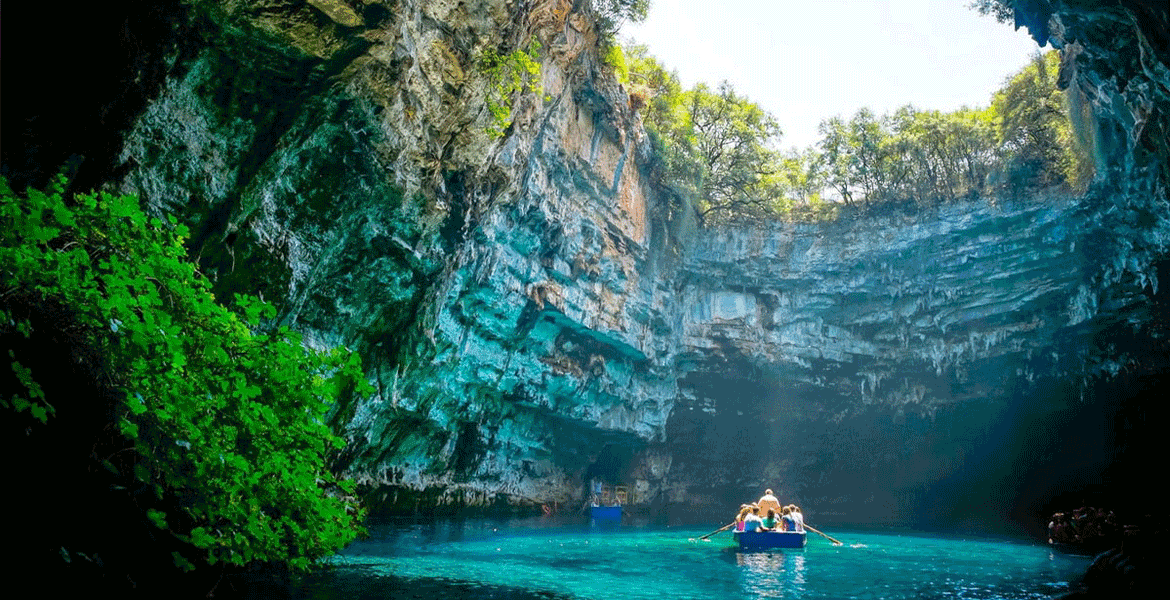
[
  {"x": 974, "y": 146},
  {"x": 730, "y": 141},
  {"x": 610, "y": 15},
  {"x": 947, "y": 155},
  {"x": 856, "y": 153},
  {"x": 217, "y": 435},
  {"x": 867, "y": 136},
  {"x": 714, "y": 147},
  {"x": 1040, "y": 146},
  {"x": 656, "y": 92},
  {"x": 839, "y": 158},
  {"x": 801, "y": 175}
]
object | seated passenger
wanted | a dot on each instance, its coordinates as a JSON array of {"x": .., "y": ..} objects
[
  {"x": 752, "y": 521},
  {"x": 787, "y": 523},
  {"x": 769, "y": 523},
  {"x": 744, "y": 510},
  {"x": 797, "y": 517}
]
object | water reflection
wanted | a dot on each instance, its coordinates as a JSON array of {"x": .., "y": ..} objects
[
  {"x": 772, "y": 574},
  {"x": 605, "y": 524},
  {"x": 422, "y": 532}
]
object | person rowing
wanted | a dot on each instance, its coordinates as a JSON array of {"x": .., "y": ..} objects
[
  {"x": 768, "y": 502},
  {"x": 744, "y": 511}
]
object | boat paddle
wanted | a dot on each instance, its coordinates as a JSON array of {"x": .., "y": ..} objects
[
  {"x": 724, "y": 528},
  {"x": 835, "y": 542}
]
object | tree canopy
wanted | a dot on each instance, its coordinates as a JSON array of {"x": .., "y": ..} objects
[
  {"x": 611, "y": 14},
  {"x": 1022, "y": 142},
  {"x": 719, "y": 149},
  {"x": 715, "y": 146}
]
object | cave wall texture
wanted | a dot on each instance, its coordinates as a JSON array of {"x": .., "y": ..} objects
[{"x": 534, "y": 310}]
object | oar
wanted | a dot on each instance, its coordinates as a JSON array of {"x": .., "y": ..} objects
[
  {"x": 806, "y": 526},
  {"x": 724, "y": 528}
]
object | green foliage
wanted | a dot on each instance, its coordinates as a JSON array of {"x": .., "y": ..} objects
[
  {"x": 509, "y": 74},
  {"x": 610, "y": 14},
  {"x": 35, "y": 402},
  {"x": 716, "y": 148},
  {"x": 911, "y": 155},
  {"x": 727, "y": 144},
  {"x": 658, "y": 91},
  {"x": 1035, "y": 130},
  {"x": 616, "y": 58},
  {"x": 1023, "y": 142},
  {"x": 228, "y": 424}
]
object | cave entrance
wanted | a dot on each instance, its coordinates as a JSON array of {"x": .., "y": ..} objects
[
  {"x": 610, "y": 466},
  {"x": 606, "y": 476}
]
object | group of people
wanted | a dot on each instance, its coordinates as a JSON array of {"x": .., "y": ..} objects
[
  {"x": 1085, "y": 526},
  {"x": 767, "y": 514}
]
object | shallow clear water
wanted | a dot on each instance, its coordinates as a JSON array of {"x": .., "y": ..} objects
[{"x": 543, "y": 559}]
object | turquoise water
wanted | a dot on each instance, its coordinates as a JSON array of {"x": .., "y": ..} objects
[{"x": 542, "y": 559}]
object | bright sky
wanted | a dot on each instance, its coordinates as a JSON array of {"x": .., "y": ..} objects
[{"x": 808, "y": 60}]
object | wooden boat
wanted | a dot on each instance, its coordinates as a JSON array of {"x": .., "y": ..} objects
[
  {"x": 612, "y": 513},
  {"x": 608, "y": 501},
  {"x": 767, "y": 540}
]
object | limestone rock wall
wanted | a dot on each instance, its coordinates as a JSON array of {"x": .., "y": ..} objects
[
  {"x": 900, "y": 314},
  {"x": 826, "y": 361},
  {"x": 530, "y": 321},
  {"x": 335, "y": 158},
  {"x": 1000, "y": 326},
  {"x": 530, "y": 314}
]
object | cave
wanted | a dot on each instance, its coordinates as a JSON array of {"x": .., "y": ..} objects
[{"x": 536, "y": 310}]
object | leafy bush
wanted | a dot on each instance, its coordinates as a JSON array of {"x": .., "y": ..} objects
[
  {"x": 1036, "y": 130},
  {"x": 509, "y": 74},
  {"x": 616, "y": 59},
  {"x": 226, "y": 425}
]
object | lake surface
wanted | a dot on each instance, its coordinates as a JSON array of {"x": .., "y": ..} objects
[{"x": 565, "y": 560}]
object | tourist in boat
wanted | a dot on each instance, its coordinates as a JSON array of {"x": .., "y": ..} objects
[
  {"x": 797, "y": 518},
  {"x": 744, "y": 511},
  {"x": 768, "y": 502},
  {"x": 752, "y": 521},
  {"x": 787, "y": 523},
  {"x": 770, "y": 522}
]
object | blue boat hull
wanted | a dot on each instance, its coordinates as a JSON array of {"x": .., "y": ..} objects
[
  {"x": 606, "y": 512},
  {"x": 767, "y": 540}
]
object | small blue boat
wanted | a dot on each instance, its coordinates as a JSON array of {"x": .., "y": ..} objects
[
  {"x": 611, "y": 513},
  {"x": 767, "y": 540}
]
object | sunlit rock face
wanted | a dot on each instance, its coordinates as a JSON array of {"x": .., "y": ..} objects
[
  {"x": 982, "y": 363},
  {"x": 508, "y": 295},
  {"x": 861, "y": 365},
  {"x": 1116, "y": 57},
  {"x": 533, "y": 311},
  {"x": 905, "y": 313}
]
